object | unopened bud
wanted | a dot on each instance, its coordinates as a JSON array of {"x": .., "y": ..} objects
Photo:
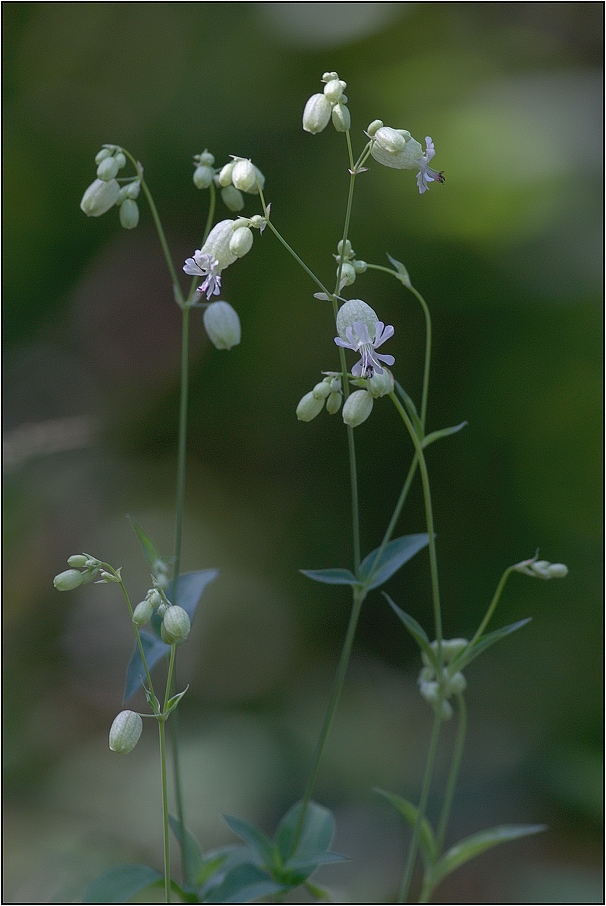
[
  {"x": 68, "y": 580},
  {"x": 99, "y": 197},
  {"x": 203, "y": 176},
  {"x": 333, "y": 403},
  {"x": 232, "y": 198},
  {"x": 108, "y": 169},
  {"x": 225, "y": 174},
  {"x": 357, "y": 408},
  {"x": 129, "y": 214},
  {"x": 222, "y": 325},
  {"x": 143, "y": 612},
  {"x": 309, "y": 406},
  {"x": 125, "y": 732},
  {"x": 341, "y": 118},
  {"x": 241, "y": 241},
  {"x": 243, "y": 175},
  {"x": 175, "y": 625},
  {"x": 78, "y": 560},
  {"x": 316, "y": 114}
]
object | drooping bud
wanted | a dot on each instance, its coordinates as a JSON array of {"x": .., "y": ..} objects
[
  {"x": 129, "y": 214},
  {"x": 357, "y": 408},
  {"x": 243, "y": 175},
  {"x": 380, "y": 384},
  {"x": 99, "y": 197},
  {"x": 341, "y": 118},
  {"x": 222, "y": 325},
  {"x": 203, "y": 176},
  {"x": 108, "y": 169},
  {"x": 175, "y": 625},
  {"x": 142, "y": 613},
  {"x": 68, "y": 580},
  {"x": 241, "y": 241},
  {"x": 125, "y": 732},
  {"x": 232, "y": 198},
  {"x": 78, "y": 560},
  {"x": 316, "y": 114},
  {"x": 309, "y": 406}
]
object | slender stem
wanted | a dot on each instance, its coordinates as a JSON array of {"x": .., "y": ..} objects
[
  {"x": 492, "y": 606},
  {"x": 162, "y": 732},
  {"x": 414, "y": 843},
  {"x": 454, "y": 772},
  {"x": 358, "y": 599},
  {"x": 182, "y": 446},
  {"x": 433, "y": 560},
  {"x": 427, "y": 365}
]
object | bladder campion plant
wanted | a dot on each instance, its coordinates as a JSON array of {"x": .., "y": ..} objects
[{"x": 263, "y": 866}]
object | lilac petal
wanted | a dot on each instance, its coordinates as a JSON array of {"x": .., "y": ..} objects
[
  {"x": 345, "y": 345},
  {"x": 382, "y": 334},
  {"x": 430, "y": 151},
  {"x": 361, "y": 330},
  {"x": 190, "y": 267},
  {"x": 388, "y": 359}
]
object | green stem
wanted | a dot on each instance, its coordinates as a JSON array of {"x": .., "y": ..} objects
[
  {"x": 492, "y": 606},
  {"x": 433, "y": 560},
  {"x": 416, "y": 834},
  {"x": 182, "y": 446},
  {"x": 358, "y": 599},
  {"x": 162, "y": 732},
  {"x": 454, "y": 772}
]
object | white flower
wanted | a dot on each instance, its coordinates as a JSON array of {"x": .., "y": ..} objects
[
  {"x": 397, "y": 148},
  {"x": 217, "y": 253},
  {"x": 360, "y": 330},
  {"x": 222, "y": 325}
]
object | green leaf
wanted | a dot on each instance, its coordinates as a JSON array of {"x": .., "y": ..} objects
[
  {"x": 484, "y": 642},
  {"x": 410, "y": 812},
  {"x": 416, "y": 631},
  {"x": 191, "y": 853},
  {"x": 316, "y": 833},
  {"x": 255, "y": 838},
  {"x": 443, "y": 432},
  {"x": 150, "y": 551},
  {"x": 174, "y": 700},
  {"x": 244, "y": 883},
  {"x": 402, "y": 272},
  {"x": 472, "y": 846},
  {"x": 331, "y": 576},
  {"x": 396, "y": 554},
  {"x": 412, "y": 412},
  {"x": 121, "y": 883},
  {"x": 311, "y": 848},
  {"x": 189, "y": 591}
]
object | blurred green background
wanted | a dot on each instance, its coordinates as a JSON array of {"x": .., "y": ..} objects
[{"x": 508, "y": 256}]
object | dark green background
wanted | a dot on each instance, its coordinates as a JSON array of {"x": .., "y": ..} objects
[{"x": 508, "y": 256}]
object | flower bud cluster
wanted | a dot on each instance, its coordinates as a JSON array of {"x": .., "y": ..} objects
[
  {"x": 105, "y": 191},
  {"x": 542, "y": 569},
  {"x": 437, "y": 689},
  {"x": 153, "y": 600},
  {"x": 332, "y": 103},
  {"x": 84, "y": 569},
  {"x": 327, "y": 391},
  {"x": 238, "y": 176},
  {"x": 351, "y": 266}
]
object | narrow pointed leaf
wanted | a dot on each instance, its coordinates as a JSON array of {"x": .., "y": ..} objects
[
  {"x": 189, "y": 591},
  {"x": 412, "y": 411},
  {"x": 191, "y": 854},
  {"x": 402, "y": 272},
  {"x": 472, "y": 846},
  {"x": 154, "y": 649},
  {"x": 416, "y": 631},
  {"x": 410, "y": 812},
  {"x": 396, "y": 554},
  {"x": 150, "y": 551},
  {"x": 443, "y": 432},
  {"x": 121, "y": 883},
  {"x": 485, "y": 642},
  {"x": 331, "y": 576},
  {"x": 255, "y": 838},
  {"x": 246, "y": 882}
]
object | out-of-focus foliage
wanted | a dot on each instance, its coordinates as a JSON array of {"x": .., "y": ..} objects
[{"x": 508, "y": 255}]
